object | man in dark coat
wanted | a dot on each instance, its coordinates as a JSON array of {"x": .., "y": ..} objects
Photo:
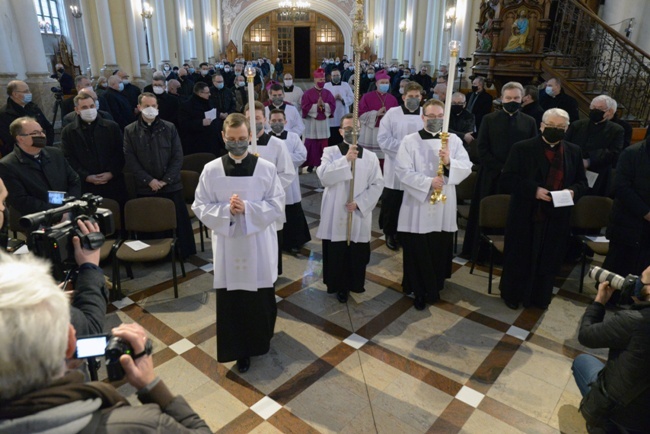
[
  {"x": 198, "y": 132},
  {"x": 222, "y": 97},
  {"x": 537, "y": 231},
  {"x": 367, "y": 81},
  {"x": 498, "y": 132},
  {"x": 32, "y": 170},
  {"x": 187, "y": 84},
  {"x": 279, "y": 69},
  {"x": 629, "y": 228},
  {"x": 19, "y": 104},
  {"x": 600, "y": 140},
  {"x": 70, "y": 117},
  {"x": 425, "y": 80},
  {"x": 530, "y": 104},
  {"x": 616, "y": 395},
  {"x": 154, "y": 155},
  {"x": 118, "y": 104},
  {"x": 462, "y": 123},
  {"x": 93, "y": 147},
  {"x": 67, "y": 105},
  {"x": 66, "y": 82},
  {"x": 553, "y": 96},
  {"x": 479, "y": 102},
  {"x": 130, "y": 91}
]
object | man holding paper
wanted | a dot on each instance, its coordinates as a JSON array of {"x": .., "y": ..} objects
[{"x": 544, "y": 177}]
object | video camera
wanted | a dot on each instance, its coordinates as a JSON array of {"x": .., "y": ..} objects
[
  {"x": 462, "y": 63},
  {"x": 629, "y": 286},
  {"x": 58, "y": 93},
  {"x": 51, "y": 238},
  {"x": 112, "y": 348}
]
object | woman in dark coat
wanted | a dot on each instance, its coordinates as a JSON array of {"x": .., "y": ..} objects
[{"x": 537, "y": 232}]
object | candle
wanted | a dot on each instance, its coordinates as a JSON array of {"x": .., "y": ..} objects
[
  {"x": 454, "y": 48},
  {"x": 250, "y": 76}
]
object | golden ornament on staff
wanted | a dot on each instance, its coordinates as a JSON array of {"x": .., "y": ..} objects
[
  {"x": 454, "y": 48},
  {"x": 359, "y": 42},
  {"x": 250, "y": 76}
]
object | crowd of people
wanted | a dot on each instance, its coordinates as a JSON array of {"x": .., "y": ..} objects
[{"x": 531, "y": 146}]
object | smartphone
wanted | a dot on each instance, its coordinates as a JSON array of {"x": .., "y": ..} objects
[
  {"x": 91, "y": 346},
  {"x": 55, "y": 197}
]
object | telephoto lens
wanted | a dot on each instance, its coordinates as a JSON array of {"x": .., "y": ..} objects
[{"x": 601, "y": 275}]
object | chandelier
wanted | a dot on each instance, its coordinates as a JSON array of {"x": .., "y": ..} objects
[{"x": 294, "y": 9}]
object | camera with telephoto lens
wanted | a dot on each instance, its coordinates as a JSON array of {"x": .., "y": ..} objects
[
  {"x": 627, "y": 285},
  {"x": 51, "y": 238}
]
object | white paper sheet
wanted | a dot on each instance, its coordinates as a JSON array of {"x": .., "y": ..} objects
[
  {"x": 22, "y": 250},
  {"x": 211, "y": 114},
  {"x": 561, "y": 198},
  {"x": 597, "y": 238},
  {"x": 137, "y": 245},
  {"x": 591, "y": 178}
]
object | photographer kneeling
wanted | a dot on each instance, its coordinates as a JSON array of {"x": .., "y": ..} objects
[
  {"x": 616, "y": 395},
  {"x": 36, "y": 392}
]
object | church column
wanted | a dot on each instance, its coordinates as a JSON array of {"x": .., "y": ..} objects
[
  {"x": 208, "y": 39},
  {"x": 220, "y": 45},
  {"x": 379, "y": 28},
  {"x": 181, "y": 39},
  {"x": 7, "y": 69},
  {"x": 409, "y": 37},
  {"x": 162, "y": 45},
  {"x": 31, "y": 44},
  {"x": 397, "y": 33},
  {"x": 431, "y": 35},
  {"x": 134, "y": 49},
  {"x": 189, "y": 14},
  {"x": 106, "y": 36},
  {"x": 86, "y": 21}
]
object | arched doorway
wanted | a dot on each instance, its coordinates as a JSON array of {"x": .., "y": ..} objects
[{"x": 301, "y": 44}]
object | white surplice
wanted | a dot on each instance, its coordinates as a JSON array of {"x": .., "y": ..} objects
[
  {"x": 295, "y": 96},
  {"x": 335, "y": 174},
  {"x": 293, "y": 122},
  {"x": 417, "y": 165},
  {"x": 245, "y": 246},
  {"x": 393, "y": 127},
  {"x": 342, "y": 107},
  {"x": 298, "y": 153}
]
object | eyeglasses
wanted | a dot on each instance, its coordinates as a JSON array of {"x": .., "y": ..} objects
[{"x": 34, "y": 133}]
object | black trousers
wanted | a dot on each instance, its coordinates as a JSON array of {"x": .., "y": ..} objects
[
  {"x": 344, "y": 267},
  {"x": 295, "y": 230},
  {"x": 391, "y": 201},
  {"x": 426, "y": 263}
]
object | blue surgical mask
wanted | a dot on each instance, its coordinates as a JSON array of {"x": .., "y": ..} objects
[
  {"x": 191, "y": 70},
  {"x": 27, "y": 98},
  {"x": 549, "y": 90},
  {"x": 121, "y": 87},
  {"x": 638, "y": 286},
  {"x": 219, "y": 85},
  {"x": 383, "y": 88},
  {"x": 97, "y": 105},
  {"x": 371, "y": 76}
]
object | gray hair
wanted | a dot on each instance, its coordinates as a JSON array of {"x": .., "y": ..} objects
[
  {"x": 34, "y": 318},
  {"x": 608, "y": 100},
  {"x": 158, "y": 76},
  {"x": 513, "y": 85},
  {"x": 458, "y": 95},
  {"x": 556, "y": 112}
]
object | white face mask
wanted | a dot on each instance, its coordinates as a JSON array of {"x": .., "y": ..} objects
[
  {"x": 288, "y": 83},
  {"x": 88, "y": 115},
  {"x": 150, "y": 112},
  {"x": 158, "y": 90}
]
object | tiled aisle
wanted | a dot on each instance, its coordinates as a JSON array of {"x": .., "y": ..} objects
[{"x": 467, "y": 364}]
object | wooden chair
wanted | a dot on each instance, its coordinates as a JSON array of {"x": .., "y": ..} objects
[
  {"x": 148, "y": 215},
  {"x": 638, "y": 134},
  {"x": 493, "y": 215},
  {"x": 464, "y": 192},
  {"x": 190, "y": 180},
  {"x": 196, "y": 162},
  {"x": 590, "y": 214}
]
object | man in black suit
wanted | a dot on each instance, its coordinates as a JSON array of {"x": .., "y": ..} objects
[
  {"x": 118, "y": 103},
  {"x": 200, "y": 133},
  {"x": 600, "y": 140},
  {"x": 32, "y": 170},
  {"x": 479, "y": 102},
  {"x": 499, "y": 131},
  {"x": 537, "y": 233},
  {"x": 553, "y": 96},
  {"x": 462, "y": 123},
  {"x": 67, "y": 106},
  {"x": 530, "y": 104},
  {"x": 65, "y": 80}
]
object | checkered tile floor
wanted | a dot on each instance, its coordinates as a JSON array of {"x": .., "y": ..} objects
[{"x": 466, "y": 364}]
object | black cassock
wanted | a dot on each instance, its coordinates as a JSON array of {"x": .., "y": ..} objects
[
  {"x": 536, "y": 233},
  {"x": 245, "y": 319}
]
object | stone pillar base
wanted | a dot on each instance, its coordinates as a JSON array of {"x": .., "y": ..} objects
[
  {"x": 108, "y": 69},
  {"x": 40, "y": 84},
  {"x": 395, "y": 61},
  {"x": 5, "y": 78}
]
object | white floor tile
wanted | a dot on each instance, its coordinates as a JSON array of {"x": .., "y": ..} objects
[
  {"x": 120, "y": 304},
  {"x": 469, "y": 396},
  {"x": 181, "y": 346},
  {"x": 355, "y": 341},
  {"x": 518, "y": 333},
  {"x": 266, "y": 407}
]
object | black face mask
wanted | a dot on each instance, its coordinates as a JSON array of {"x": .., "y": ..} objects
[
  {"x": 61, "y": 71},
  {"x": 39, "y": 141},
  {"x": 512, "y": 106},
  {"x": 456, "y": 109},
  {"x": 553, "y": 135},
  {"x": 596, "y": 115},
  {"x": 474, "y": 88}
]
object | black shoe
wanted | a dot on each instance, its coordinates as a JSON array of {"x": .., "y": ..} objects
[
  {"x": 419, "y": 303},
  {"x": 358, "y": 291},
  {"x": 514, "y": 305},
  {"x": 391, "y": 242},
  {"x": 342, "y": 296},
  {"x": 243, "y": 364},
  {"x": 310, "y": 169}
]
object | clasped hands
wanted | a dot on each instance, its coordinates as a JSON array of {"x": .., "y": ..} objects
[
  {"x": 156, "y": 185},
  {"x": 100, "y": 178},
  {"x": 237, "y": 205}
]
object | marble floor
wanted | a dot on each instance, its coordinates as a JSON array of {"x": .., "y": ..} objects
[{"x": 467, "y": 364}]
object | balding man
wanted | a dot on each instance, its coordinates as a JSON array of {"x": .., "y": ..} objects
[
  {"x": 440, "y": 92},
  {"x": 67, "y": 106},
  {"x": 553, "y": 96},
  {"x": 118, "y": 103},
  {"x": 32, "y": 170},
  {"x": 461, "y": 122},
  {"x": 19, "y": 104},
  {"x": 130, "y": 91}
]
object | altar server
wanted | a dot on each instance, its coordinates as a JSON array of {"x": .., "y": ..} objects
[{"x": 277, "y": 100}]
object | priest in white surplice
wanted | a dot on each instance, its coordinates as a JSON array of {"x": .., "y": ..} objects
[
  {"x": 276, "y": 100},
  {"x": 344, "y": 267},
  {"x": 275, "y": 151},
  {"x": 426, "y": 230},
  {"x": 344, "y": 96},
  {"x": 240, "y": 198}
]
